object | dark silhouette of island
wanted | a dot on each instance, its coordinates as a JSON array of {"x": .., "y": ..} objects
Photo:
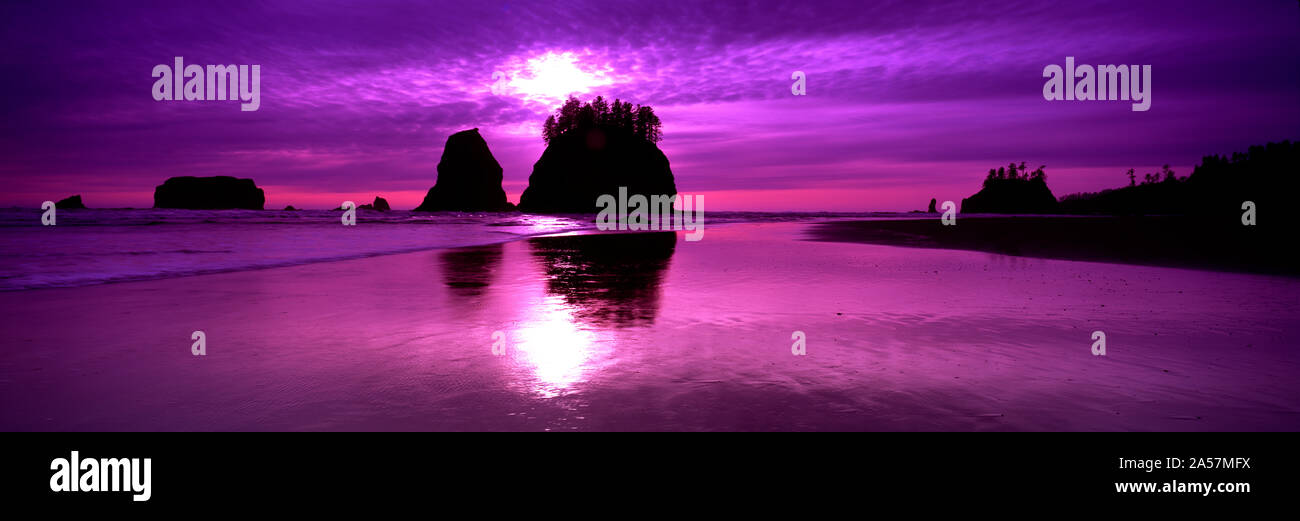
[
  {"x": 209, "y": 193},
  {"x": 610, "y": 279},
  {"x": 1012, "y": 189},
  {"x": 1159, "y": 193},
  {"x": 1204, "y": 220},
  {"x": 593, "y": 149},
  {"x": 1216, "y": 189},
  {"x": 469, "y": 178},
  {"x": 380, "y": 205},
  {"x": 70, "y": 203},
  {"x": 933, "y": 202}
]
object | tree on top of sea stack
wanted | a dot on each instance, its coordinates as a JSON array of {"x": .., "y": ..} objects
[
  {"x": 1012, "y": 189},
  {"x": 640, "y": 120},
  {"x": 594, "y": 149}
]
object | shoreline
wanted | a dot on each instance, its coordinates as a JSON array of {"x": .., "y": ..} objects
[
  {"x": 498, "y": 237},
  {"x": 1158, "y": 241},
  {"x": 649, "y": 332},
  {"x": 1163, "y": 241}
]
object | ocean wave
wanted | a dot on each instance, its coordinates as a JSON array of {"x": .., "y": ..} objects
[{"x": 101, "y": 246}]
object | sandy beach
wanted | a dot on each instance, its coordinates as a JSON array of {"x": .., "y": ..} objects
[{"x": 649, "y": 332}]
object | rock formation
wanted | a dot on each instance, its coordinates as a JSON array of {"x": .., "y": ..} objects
[
  {"x": 581, "y": 165},
  {"x": 469, "y": 178},
  {"x": 380, "y": 204},
  {"x": 209, "y": 193},
  {"x": 1024, "y": 196},
  {"x": 70, "y": 203}
]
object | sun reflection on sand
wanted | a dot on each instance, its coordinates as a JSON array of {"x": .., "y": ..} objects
[
  {"x": 594, "y": 288},
  {"x": 555, "y": 346}
]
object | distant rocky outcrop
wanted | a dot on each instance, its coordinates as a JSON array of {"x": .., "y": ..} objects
[
  {"x": 380, "y": 204},
  {"x": 933, "y": 202},
  {"x": 70, "y": 203},
  {"x": 290, "y": 208},
  {"x": 209, "y": 193},
  {"x": 580, "y": 165},
  {"x": 1023, "y": 196},
  {"x": 469, "y": 178}
]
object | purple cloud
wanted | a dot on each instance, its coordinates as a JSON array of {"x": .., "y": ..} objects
[{"x": 909, "y": 99}]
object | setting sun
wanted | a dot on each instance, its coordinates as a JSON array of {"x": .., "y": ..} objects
[{"x": 552, "y": 77}]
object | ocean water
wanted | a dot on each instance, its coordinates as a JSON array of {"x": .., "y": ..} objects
[
  {"x": 641, "y": 332},
  {"x": 95, "y": 246}
]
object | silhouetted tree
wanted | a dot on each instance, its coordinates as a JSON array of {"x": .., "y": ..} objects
[
  {"x": 1013, "y": 189},
  {"x": 647, "y": 124},
  {"x": 640, "y": 121},
  {"x": 601, "y": 108},
  {"x": 1015, "y": 172},
  {"x": 567, "y": 117},
  {"x": 548, "y": 129},
  {"x": 1037, "y": 175},
  {"x": 621, "y": 115}
]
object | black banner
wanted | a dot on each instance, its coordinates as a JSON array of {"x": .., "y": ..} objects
[{"x": 321, "y": 470}]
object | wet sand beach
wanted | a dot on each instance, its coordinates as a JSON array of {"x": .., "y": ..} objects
[{"x": 649, "y": 332}]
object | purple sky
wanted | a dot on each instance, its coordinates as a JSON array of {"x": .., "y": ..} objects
[{"x": 905, "y": 100}]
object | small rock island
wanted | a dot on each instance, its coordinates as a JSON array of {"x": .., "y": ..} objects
[
  {"x": 592, "y": 150},
  {"x": 209, "y": 193},
  {"x": 469, "y": 178}
]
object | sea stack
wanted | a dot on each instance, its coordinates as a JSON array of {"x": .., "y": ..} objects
[
  {"x": 380, "y": 204},
  {"x": 70, "y": 203},
  {"x": 469, "y": 178},
  {"x": 1015, "y": 196},
  {"x": 582, "y": 164},
  {"x": 209, "y": 193}
]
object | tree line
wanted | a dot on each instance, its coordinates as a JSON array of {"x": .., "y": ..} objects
[
  {"x": 639, "y": 120},
  {"x": 1014, "y": 172}
]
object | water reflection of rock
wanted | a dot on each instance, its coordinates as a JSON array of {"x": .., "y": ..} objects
[
  {"x": 610, "y": 279},
  {"x": 468, "y": 271}
]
